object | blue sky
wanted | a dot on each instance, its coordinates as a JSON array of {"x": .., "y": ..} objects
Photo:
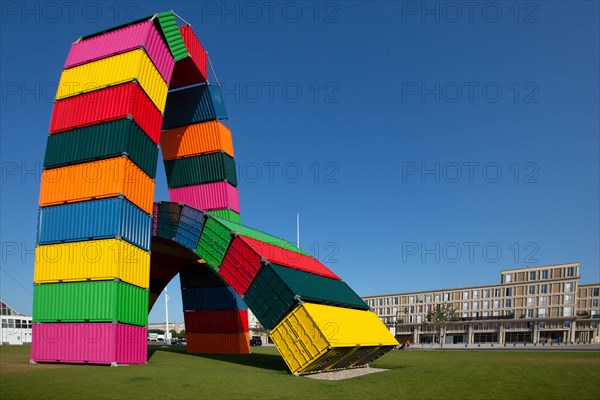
[{"x": 425, "y": 145}]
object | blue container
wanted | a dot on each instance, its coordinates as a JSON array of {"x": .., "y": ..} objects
[
  {"x": 194, "y": 105},
  {"x": 190, "y": 226},
  {"x": 211, "y": 298},
  {"x": 115, "y": 217}
]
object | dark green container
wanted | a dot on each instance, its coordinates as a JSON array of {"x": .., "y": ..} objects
[
  {"x": 276, "y": 290},
  {"x": 168, "y": 220},
  {"x": 101, "y": 141},
  {"x": 206, "y": 168},
  {"x": 227, "y": 213},
  {"x": 93, "y": 301}
]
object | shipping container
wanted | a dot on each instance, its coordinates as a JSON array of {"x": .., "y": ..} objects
[
  {"x": 191, "y": 222},
  {"x": 92, "y": 260},
  {"x": 193, "y": 105},
  {"x": 93, "y": 343},
  {"x": 121, "y": 68},
  {"x": 216, "y": 321},
  {"x": 214, "y": 242},
  {"x": 167, "y": 219},
  {"x": 208, "y": 196},
  {"x": 227, "y": 213},
  {"x": 93, "y": 301},
  {"x": 195, "y": 170},
  {"x": 98, "y": 219},
  {"x": 196, "y": 139},
  {"x": 101, "y": 141},
  {"x": 139, "y": 35},
  {"x": 172, "y": 35},
  {"x": 211, "y": 298},
  {"x": 121, "y": 101},
  {"x": 96, "y": 180},
  {"x": 276, "y": 290},
  {"x": 217, "y": 343},
  {"x": 245, "y": 257},
  {"x": 316, "y": 337},
  {"x": 193, "y": 69},
  {"x": 200, "y": 275}
]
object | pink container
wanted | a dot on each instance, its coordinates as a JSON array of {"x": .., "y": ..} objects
[
  {"x": 93, "y": 343},
  {"x": 121, "y": 40},
  {"x": 208, "y": 196}
]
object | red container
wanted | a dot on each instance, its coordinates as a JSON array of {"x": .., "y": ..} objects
[
  {"x": 208, "y": 196},
  {"x": 93, "y": 343},
  {"x": 243, "y": 260},
  {"x": 105, "y": 105},
  {"x": 194, "y": 69},
  {"x": 216, "y": 321},
  {"x": 218, "y": 343}
]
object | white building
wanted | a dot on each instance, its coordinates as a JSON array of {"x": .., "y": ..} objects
[{"x": 15, "y": 327}]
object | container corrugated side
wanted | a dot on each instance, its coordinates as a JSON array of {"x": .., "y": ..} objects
[
  {"x": 93, "y": 301},
  {"x": 191, "y": 222},
  {"x": 216, "y": 321},
  {"x": 193, "y": 105},
  {"x": 227, "y": 214},
  {"x": 276, "y": 290},
  {"x": 205, "y": 168},
  {"x": 111, "y": 71},
  {"x": 193, "y": 69},
  {"x": 211, "y": 298},
  {"x": 281, "y": 256},
  {"x": 240, "y": 265},
  {"x": 200, "y": 275},
  {"x": 191, "y": 140},
  {"x": 312, "y": 330},
  {"x": 98, "y": 219},
  {"x": 168, "y": 219},
  {"x": 97, "y": 179},
  {"x": 208, "y": 196},
  {"x": 170, "y": 29},
  {"x": 92, "y": 260},
  {"x": 128, "y": 38},
  {"x": 108, "y": 104},
  {"x": 101, "y": 141},
  {"x": 218, "y": 343},
  {"x": 94, "y": 343},
  {"x": 214, "y": 242}
]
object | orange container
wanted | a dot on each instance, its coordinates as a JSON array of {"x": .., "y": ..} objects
[
  {"x": 95, "y": 180},
  {"x": 206, "y": 137},
  {"x": 218, "y": 343}
]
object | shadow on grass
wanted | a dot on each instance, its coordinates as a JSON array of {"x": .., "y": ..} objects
[{"x": 272, "y": 362}]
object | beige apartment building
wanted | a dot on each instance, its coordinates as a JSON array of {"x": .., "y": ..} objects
[{"x": 545, "y": 304}]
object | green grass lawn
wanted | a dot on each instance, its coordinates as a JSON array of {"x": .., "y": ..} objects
[{"x": 170, "y": 373}]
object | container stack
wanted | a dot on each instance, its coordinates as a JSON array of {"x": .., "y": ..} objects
[{"x": 96, "y": 197}]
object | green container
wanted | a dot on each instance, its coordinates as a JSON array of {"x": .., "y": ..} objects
[
  {"x": 276, "y": 290},
  {"x": 93, "y": 301},
  {"x": 206, "y": 168},
  {"x": 172, "y": 35},
  {"x": 227, "y": 213},
  {"x": 168, "y": 220},
  {"x": 101, "y": 141}
]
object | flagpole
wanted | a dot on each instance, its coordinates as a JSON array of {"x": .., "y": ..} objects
[
  {"x": 298, "y": 230},
  {"x": 167, "y": 339}
]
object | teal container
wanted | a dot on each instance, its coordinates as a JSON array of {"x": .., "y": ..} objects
[
  {"x": 101, "y": 141},
  {"x": 206, "y": 168},
  {"x": 168, "y": 219},
  {"x": 276, "y": 290},
  {"x": 92, "y": 301}
]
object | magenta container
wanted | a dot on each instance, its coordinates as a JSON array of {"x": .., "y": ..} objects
[
  {"x": 208, "y": 196},
  {"x": 89, "y": 343},
  {"x": 121, "y": 40}
]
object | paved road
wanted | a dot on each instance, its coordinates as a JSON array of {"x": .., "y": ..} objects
[{"x": 512, "y": 347}]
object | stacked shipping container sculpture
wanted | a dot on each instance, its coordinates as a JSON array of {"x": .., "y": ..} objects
[{"x": 105, "y": 250}]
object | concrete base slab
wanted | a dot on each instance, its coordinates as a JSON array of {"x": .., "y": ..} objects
[{"x": 345, "y": 374}]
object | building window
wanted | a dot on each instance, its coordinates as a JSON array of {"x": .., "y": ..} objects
[
  {"x": 429, "y": 308},
  {"x": 507, "y": 325},
  {"x": 475, "y": 305},
  {"x": 532, "y": 289},
  {"x": 542, "y": 312},
  {"x": 446, "y": 296},
  {"x": 568, "y": 299},
  {"x": 568, "y": 287},
  {"x": 543, "y": 288},
  {"x": 411, "y": 300},
  {"x": 475, "y": 294},
  {"x": 420, "y": 308},
  {"x": 388, "y": 311},
  {"x": 531, "y": 301},
  {"x": 412, "y": 309},
  {"x": 545, "y": 274},
  {"x": 420, "y": 298},
  {"x": 596, "y": 292},
  {"x": 507, "y": 303},
  {"x": 465, "y": 315},
  {"x": 486, "y": 293},
  {"x": 530, "y": 313},
  {"x": 428, "y": 298},
  {"x": 466, "y": 305},
  {"x": 486, "y": 305},
  {"x": 475, "y": 327},
  {"x": 387, "y": 301},
  {"x": 508, "y": 291},
  {"x": 4, "y": 323},
  {"x": 437, "y": 298},
  {"x": 532, "y": 275},
  {"x": 419, "y": 319},
  {"x": 542, "y": 324},
  {"x": 595, "y": 303},
  {"x": 507, "y": 278},
  {"x": 465, "y": 295},
  {"x": 395, "y": 301},
  {"x": 570, "y": 271},
  {"x": 543, "y": 300},
  {"x": 566, "y": 324},
  {"x": 496, "y": 313},
  {"x": 497, "y": 293},
  {"x": 496, "y": 304},
  {"x": 486, "y": 313},
  {"x": 380, "y": 302},
  {"x": 11, "y": 323},
  {"x": 567, "y": 311}
]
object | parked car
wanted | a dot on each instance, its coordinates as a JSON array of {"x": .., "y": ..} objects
[{"x": 256, "y": 341}]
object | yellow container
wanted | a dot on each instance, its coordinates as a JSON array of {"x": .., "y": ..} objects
[
  {"x": 191, "y": 140},
  {"x": 94, "y": 260},
  {"x": 315, "y": 337},
  {"x": 95, "y": 180},
  {"x": 125, "y": 67}
]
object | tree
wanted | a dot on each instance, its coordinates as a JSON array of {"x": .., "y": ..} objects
[
  {"x": 181, "y": 335},
  {"x": 159, "y": 331},
  {"x": 440, "y": 317}
]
